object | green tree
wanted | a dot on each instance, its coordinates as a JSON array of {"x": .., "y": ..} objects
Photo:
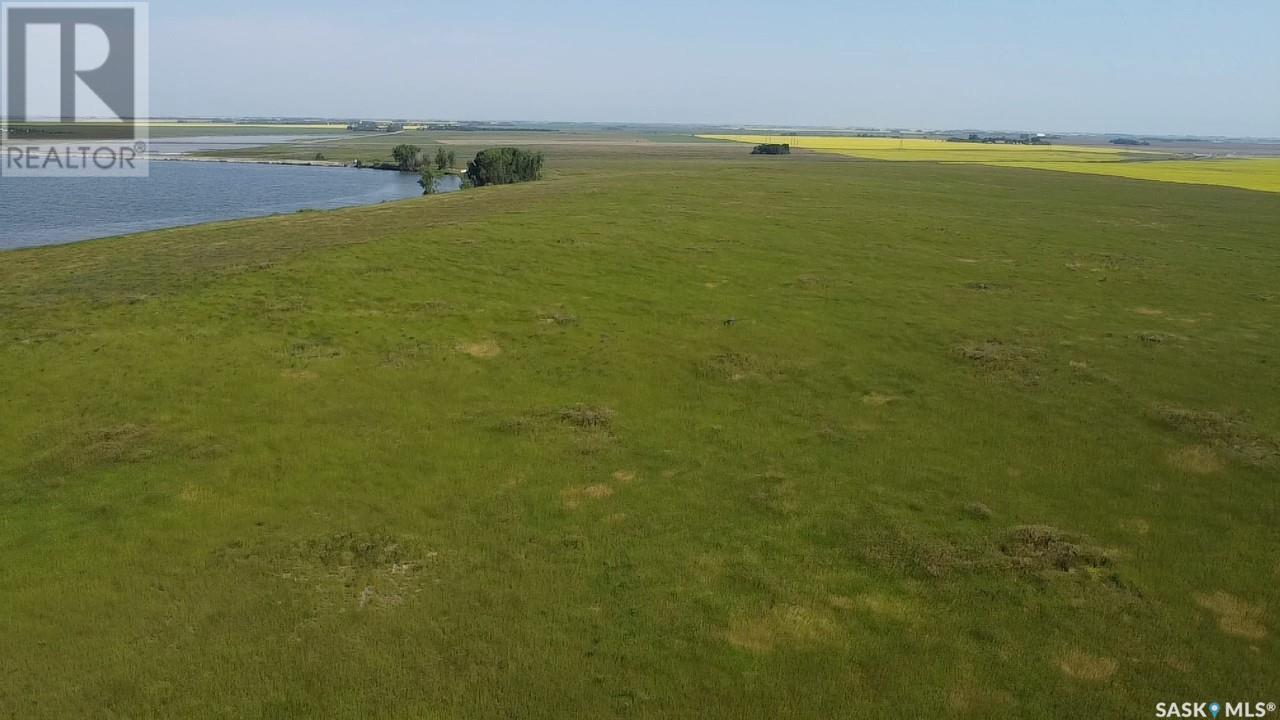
[
  {"x": 442, "y": 159},
  {"x": 407, "y": 157},
  {"x": 428, "y": 178},
  {"x": 502, "y": 166}
]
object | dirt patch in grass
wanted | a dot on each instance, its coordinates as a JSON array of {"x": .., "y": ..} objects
[
  {"x": 119, "y": 444},
  {"x": 122, "y": 444},
  {"x": 911, "y": 554},
  {"x": 580, "y": 417},
  {"x": 483, "y": 350},
  {"x": 1149, "y": 312},
  {"x": 1036, "y": 552},
  {"x": 1003, "y": 361},
  {"x": 624, "y": 476},
  {"x": 1042, "y": 547},
  {"x": 583, "y": 429},
  {"x": 343, "y": 572},
  {"x": 1235, "y": 616},
  {"x": 1089, "y": 668},
  {"x": 736, "y": 367},
  {"x": 1160, "y": 338},
  {"x": 1228, "y": 433},
  {"x": 557, "y": 317},
  {"x": 1196, "y": 459},
  {"x": 313, "y": 349}
]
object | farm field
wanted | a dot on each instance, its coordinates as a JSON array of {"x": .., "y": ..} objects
[
  {"x": 1248, "y": 173},
  {"x": 675, "y": 428},
  {"x": 585, "y": 149},
  {"x": 160, "y": 129}
]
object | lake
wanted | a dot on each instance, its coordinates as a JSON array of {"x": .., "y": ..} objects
[{"x": 49, "y": 211}]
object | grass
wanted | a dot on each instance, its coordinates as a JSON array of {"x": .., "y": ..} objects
[
  {"x": 665, "y": 434},
  {"x": 1247, "y": 173}
]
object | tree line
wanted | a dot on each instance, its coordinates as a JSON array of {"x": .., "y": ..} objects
[{"x": 495, "y": 166}]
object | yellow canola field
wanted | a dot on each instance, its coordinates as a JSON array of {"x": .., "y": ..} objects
[{"x": 1247, "y": 173}]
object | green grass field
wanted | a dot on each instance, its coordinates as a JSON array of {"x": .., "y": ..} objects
[{"x": 673, "y": 433}]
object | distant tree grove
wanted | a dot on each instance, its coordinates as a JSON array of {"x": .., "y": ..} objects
[
  {"x": 495, "y": 166},
  {"x": 772, "y": 149},
  {"x": 502, "y": 166}
]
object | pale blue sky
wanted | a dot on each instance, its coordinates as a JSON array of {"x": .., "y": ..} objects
[{"x": 1143, "y": 66}]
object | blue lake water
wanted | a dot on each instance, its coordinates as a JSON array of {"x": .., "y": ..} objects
[{"x": 48, "y": 211}]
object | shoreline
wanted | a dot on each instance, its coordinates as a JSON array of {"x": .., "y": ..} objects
[
  {"x": 24, "y": 247},
  {"x": 250, "y": 161},
  {"x": 283, "y": 161}
]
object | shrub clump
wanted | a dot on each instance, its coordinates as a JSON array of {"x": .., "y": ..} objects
[{"x": 503, "y": 166}]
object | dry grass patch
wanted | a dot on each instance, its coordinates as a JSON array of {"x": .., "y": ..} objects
[
  {"x": 68, "y": 451},
  {"x": 1046, "y": 548},
  {"x": 1196, "y": 459},
  {"x": 1235, "y": 616},
  {"x": 875, "y": 399},
  {"x": 597, "y": 492},
  {"x": 1003, "y": 361},
  {"x": 587, "y": 416},
  {"x": 979, "y": 702},
  {"x": 1090, "y": 668},
  {"x": 784, "y": 624},
  {"x": 886, "y": 607},
  {"x": 1139, "y": 526},
  {"x": 190, "y": 492},
  {"x": 343, "y": 572},
  {"x": 483, "y": 350},
  {"x": 978, "y": 511},
  {"x": 736, "y": 367},
  {"x": 1160, "y": 338},
  {"x": 298, "y": 374},
  {"x": 575, "y": 496},
  {"x": 1226, "y": 432}
]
